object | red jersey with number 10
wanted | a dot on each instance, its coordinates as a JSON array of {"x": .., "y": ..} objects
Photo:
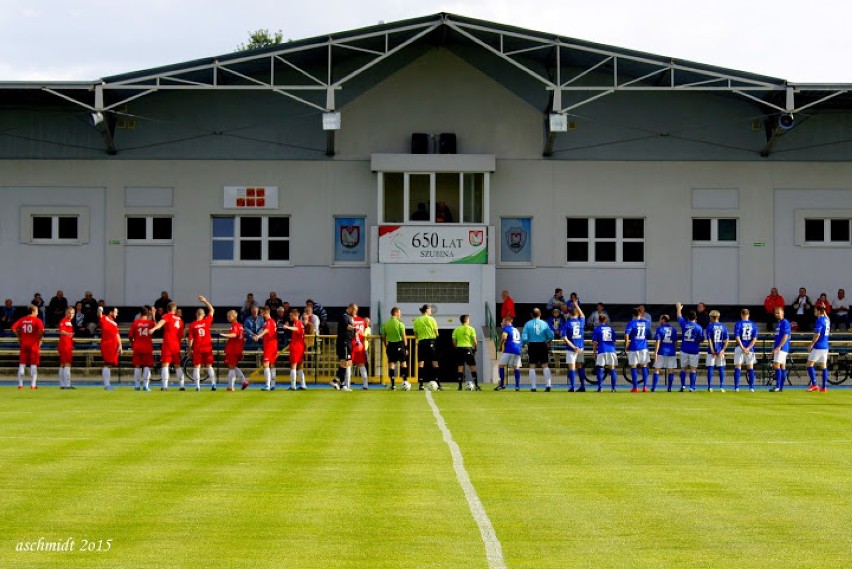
[{"x": 31, "y": 330}]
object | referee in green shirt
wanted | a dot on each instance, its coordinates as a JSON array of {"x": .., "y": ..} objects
[
  {"x": 464, "y": 341},
  {"x": 426, "y": 333},
  {"x": 393, "y": 338}
]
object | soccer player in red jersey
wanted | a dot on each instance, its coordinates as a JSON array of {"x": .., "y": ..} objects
[
  {"x": 201, "y": 344},
  {"x": 143, "y": 348},
  {"x": 270, "y": 348},
  {"x": 66, "y": 348},
  {"x": 297, "y": 349},
  {"x": 30, "y": 332},
  {"x": 234, "y": 350},
  {"x": 173, "y": 331},
  {"x": 359, "y": 348},
  {"x": 110, "y": 343}
]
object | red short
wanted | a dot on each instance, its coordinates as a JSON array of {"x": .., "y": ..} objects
[
  {"x": 143, "y": 359},
  {"x": 170, "y": 353},
  {"x": 270, "y": 354},
  {"x": 297, "y": 354},
  {"x": 233, "y": 358},
  {"x": 359, "y": 356},
  {"x": 66, "y": 355},
  {"x": 30, "y": 355},
  {"x": 109, "y": 353},
  {"x": 202, "y": 358}
]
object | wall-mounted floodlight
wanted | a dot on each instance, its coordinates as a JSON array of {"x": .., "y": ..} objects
[
  {"x": 97, "y": 119},
  {"x": 558, "y": 122},
  {"x": 331, "y": 121},
  {"x": 786, "y": 121}
]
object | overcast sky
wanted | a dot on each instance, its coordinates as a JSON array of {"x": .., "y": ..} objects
[{"x": 89, "y": 39}]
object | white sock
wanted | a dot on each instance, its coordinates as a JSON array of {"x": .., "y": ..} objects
[
  {"x": 302, "y": 377},
  {"x": 267, "y": 375},
  {"x": 67, "y": 377},
  {"x": 240, "y": 374},
  {"x": 293, "y": 378},
  {"x": 532, "y": 379},
  {"x": 107, "y": 376},
  {"x": 146, "y": 377},
  {"x": 33, "y": 375},
  {"x": 364, "y": 375},
  {"x": 231, "y": 375},
  {"x": 180, "y": 375},
  {"x": 137, "y": 375},
  {"x": 21, "y": 369},
  {"x": 348, "y": 376},
  {"x": 273, "y": 373},
  {"x": 211, "y": 373},
  {"x": 547, "y": 376},
  {"x": 164, "y": 374}
]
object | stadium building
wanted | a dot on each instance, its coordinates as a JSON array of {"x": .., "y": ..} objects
[{"x": 439, "y": 159}]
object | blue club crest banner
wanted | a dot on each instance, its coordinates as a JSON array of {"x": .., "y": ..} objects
[
  {"x": 349, "y": 239},
  {"x": 516, "y": 240}
]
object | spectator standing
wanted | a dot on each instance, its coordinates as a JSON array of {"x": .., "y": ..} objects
[
  {"x": 274, "y": 303},
  {"x": 79, "y": 321},
  {"x": 840, "y": 307},
  {"x": 7, "y": 317},
  {"x": 702, "y": 315},
  {"x": 38, "y": 302},
  {"x": 321, "y": 313},
  {"x": 595, "y": 317},
  {"x": 557, "y": 300},
  {"x": 252, "y": 326},
  {"x": 89, "y": 309},
  {"x": 56, "y": 308},
  {"x": 772, "y": 301},
  {"x": 507, "y": 309},
  {"x": 803, "y": 308},
  {"x": 245, "y": 312},
  {"x": 162, "y": 304},
  {"x": 313, "y": 319}
]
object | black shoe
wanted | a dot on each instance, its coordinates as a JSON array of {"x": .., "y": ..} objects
[
  {"x": 581, "y": 390},
  {"x": 571, "y": 390},
  {"x": 70, "y": 387},
  {"x": 517, "y": 389},
  {"x": 460, "y": 386},
  {"x": 477, "y": 388},
  {"x": 393, "y": 388},
  {"x": 547, "y": 390},
  {"x": 498, "y": 388},
  {"x": 182, "y": 389},
  {"x": 533, "y": 389}
]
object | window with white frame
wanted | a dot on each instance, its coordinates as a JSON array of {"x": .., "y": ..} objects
[
  {"x": 714, "y": 230},
  {"x": 831, "y": 231},
  {"x": 55, "y": 228},
  {"x": 247, "y": 239},
  {"x": 433, "y": 197},
  {"x": 149, "y": 229},
  {"x": 605, "y": 240}
]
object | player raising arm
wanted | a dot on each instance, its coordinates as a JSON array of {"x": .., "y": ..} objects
[
  {"x": 201, "y": 344},
  {"x": 690, "y": 346}
]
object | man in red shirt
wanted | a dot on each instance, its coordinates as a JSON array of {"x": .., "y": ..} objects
[
  {"x": 66, "y": 348},
  {"x": 201, "y": 344},
  {"x": 143, "y": 348},
  {"x": 110, "y": 343},
  {"x": 297, "y": 349},
  {"x": 173, "y": 331},
  {"x": 234, "y": 350},
  {"x": 270, "y": 348},
  {"x": 29, "y": 331},
  {"x": 772, "y": 302},
  {"x": 507, "y": 309}
]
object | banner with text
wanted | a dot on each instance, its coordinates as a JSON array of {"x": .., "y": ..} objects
[{"x": 441, "y": 244}]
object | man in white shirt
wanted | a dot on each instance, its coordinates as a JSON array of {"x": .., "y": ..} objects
[{"x": 840, "y": 310}]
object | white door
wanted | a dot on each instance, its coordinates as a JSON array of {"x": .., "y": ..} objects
[
  {"x": 716, "y": 275},
  {"x": 147, "y": 271}
]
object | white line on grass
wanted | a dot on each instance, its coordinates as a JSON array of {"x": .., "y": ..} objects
[{"x": 493, "y": 549}]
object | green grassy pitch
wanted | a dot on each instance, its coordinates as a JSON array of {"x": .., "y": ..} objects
[{"x": 326, "y": 479}]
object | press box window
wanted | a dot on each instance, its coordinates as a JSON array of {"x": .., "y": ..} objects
[
  {"x": 149, "y": 228},
  {"x": 55, "y": 228}
]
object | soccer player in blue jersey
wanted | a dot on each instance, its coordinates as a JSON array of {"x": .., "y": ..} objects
[
  {"x": 690, "y": 346},
  {"x": 510, "y": 348},
  {"x": 603, "y": 342},
  {"x": 818, "y": 350},
  {"x": 717, "y": 343},
  {"x": 745, "y": 335},
  {"x": 572, "y": 334},
  {"x": 538, "y": 335},
  {"x": 783, "y": 331},
  {"x": 636, "y": 344},
  {"x": 665, "y": 353}
]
